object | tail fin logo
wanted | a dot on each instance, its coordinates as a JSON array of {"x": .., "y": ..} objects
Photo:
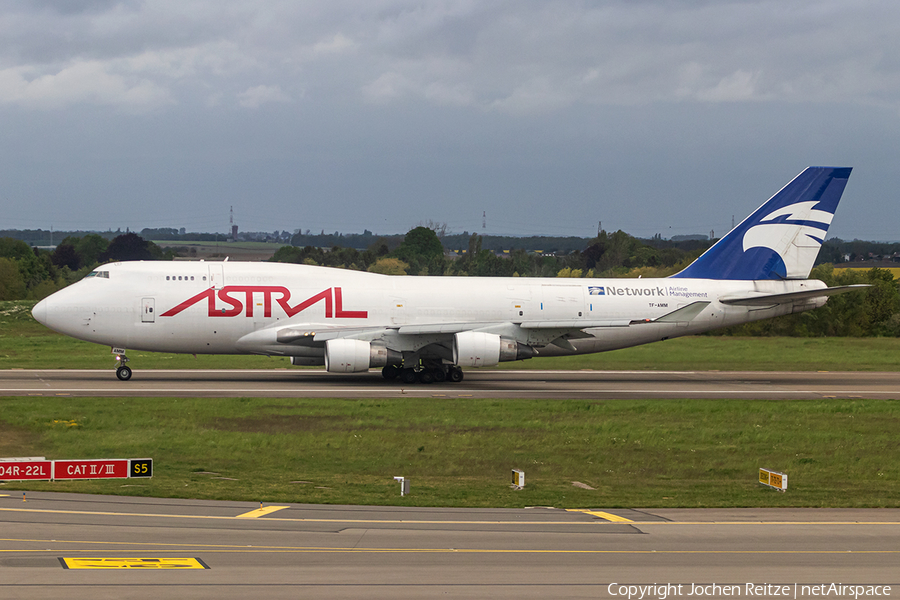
[{"x": 778, "y": 236}]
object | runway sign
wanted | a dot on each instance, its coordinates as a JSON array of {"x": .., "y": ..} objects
[
  {"x": 133, "y": 563},
  {"x": 518, "y": 478},
  {"x": 46, "y": 470},
  {"x": 26, "y": 470},
  {"x": 774, "y": 479},
  {"x": 90, "y": 469},
  {"x": 140, "y": 467}
]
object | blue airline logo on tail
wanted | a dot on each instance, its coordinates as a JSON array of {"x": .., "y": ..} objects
[{"x": 781, "y": 239}]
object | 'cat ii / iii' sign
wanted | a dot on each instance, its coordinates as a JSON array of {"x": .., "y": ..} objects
[{"x": 48, "y": 470}]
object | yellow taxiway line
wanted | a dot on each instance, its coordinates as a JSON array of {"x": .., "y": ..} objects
[
  {"x": 260, "y": 512},
  {"x": 454, "y": 522},
  {"x": 603, "y": 515},
  {"x": 225, "y": 548}
]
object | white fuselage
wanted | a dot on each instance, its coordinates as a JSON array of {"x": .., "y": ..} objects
[{"x": 238, "y": 308}]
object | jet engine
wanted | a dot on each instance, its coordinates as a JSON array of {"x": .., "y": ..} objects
[
  {"x": 479, "y": 349},
  {"x": 352, "y": 356}
]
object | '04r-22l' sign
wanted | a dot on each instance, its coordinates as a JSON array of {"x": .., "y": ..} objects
[{"x": 48, "y": 470}]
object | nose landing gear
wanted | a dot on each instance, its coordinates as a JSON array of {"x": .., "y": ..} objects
[{"x": 123, "y": 372}]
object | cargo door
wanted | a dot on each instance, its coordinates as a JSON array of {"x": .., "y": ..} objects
[{"x": 561, "y": 302}]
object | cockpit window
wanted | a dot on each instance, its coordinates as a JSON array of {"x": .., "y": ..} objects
[{"x": 104, "y": 274}]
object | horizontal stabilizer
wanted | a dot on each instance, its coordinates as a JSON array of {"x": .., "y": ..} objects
[{"x": 775, "y": 299}]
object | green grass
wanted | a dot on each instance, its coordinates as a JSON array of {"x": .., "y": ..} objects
[
  {"x": 459, "y": 452},
  {"x": 26, "y": 344}
]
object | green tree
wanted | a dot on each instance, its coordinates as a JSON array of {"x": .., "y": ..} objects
[
  {"x": 131, "y": 246},
  {"x": 89, "y": 248},
  {"x": 12, "y": 286},
  {"x": 389, "y": 266},
  {"x": 423, "y": 251}
]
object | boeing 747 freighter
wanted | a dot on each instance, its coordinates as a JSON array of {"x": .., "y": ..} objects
[{"x": 427, "y": 328}]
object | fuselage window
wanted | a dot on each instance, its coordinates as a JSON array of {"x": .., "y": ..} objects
[
  {"x": 167, "y": 277},
  {"x": 192, "y": 277}
]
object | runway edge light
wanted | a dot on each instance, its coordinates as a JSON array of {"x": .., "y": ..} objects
[{"x": 774, "y": 479}]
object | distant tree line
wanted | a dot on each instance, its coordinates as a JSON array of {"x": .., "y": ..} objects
[{"x": 30, "y": 273}]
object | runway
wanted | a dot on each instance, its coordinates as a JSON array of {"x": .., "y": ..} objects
[
  {"x": 477, "y": 384},
  {"x": 316, "y": 551}
]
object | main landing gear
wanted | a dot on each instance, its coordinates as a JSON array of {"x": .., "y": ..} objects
[
  {"x": 123, "y": 371},
  {"x": 423, "y": 373}
]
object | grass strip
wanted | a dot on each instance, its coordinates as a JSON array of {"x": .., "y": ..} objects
[{"x": 459, "y": 452}]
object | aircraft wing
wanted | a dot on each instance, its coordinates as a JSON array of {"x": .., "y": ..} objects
[
  {"x": 775, "y": 299},
  {"x": 311, "y": 334}
]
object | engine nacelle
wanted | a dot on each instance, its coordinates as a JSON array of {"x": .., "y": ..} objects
[
  {"x": 353, "y": 356},
  {"x": 479, "y": 349}
]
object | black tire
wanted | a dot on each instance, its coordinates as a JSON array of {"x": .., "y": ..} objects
[
  {"x": 426, "y": 376},
  {"x": 408, "y": 376},
  {"x": 455, "y": 375},
  {"x": 390, "y": 372},
  {"x": 440, "y": 375},
  {"x": 123, "y": 373}
]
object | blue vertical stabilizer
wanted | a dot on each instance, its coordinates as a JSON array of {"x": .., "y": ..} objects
[{"x": 782, "y": 238}]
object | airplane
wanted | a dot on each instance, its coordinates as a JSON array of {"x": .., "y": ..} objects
[{"x": 425, "y": 329}]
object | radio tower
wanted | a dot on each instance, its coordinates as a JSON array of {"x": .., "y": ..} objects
[
  {"x": 484, "y": 220},
  {"x": 233, "y": 226}
]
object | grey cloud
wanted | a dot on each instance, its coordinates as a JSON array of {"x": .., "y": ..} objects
[{"x": 644, "y": 114}]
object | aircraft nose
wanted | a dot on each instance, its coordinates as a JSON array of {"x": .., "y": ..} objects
[{"x": 39, "y": 312}]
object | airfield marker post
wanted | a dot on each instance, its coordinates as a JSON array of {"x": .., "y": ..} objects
[{"x": 404, "y": 485}]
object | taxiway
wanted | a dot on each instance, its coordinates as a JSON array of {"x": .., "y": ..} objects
[{"x": 132, "y": 548}]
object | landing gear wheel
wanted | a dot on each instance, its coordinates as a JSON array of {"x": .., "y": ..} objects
[
  {"x": 426, "y": 376},
  {"x": 123, "y": 373},
  {"x": 455, "y": 375},
  {"x": 440, "y": 375},
  {"x": 390, "y": 372},
  {"x": 408, "y": 376}
]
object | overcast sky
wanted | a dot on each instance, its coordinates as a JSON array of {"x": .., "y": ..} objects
[{"x": 652, "y": 116}]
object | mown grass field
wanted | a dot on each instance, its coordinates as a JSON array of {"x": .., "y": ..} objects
[
  {"x": 460, "y": 452},
  {"x": 26, "y": 344}
]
